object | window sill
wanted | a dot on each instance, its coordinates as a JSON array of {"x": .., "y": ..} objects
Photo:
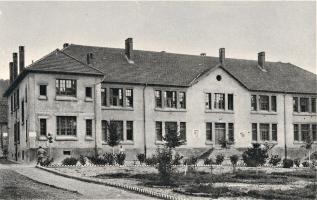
[
  {"x": 65, "y": 98},
  {"x": 304, "y": 114},
  {"x": 220, "y": 111},
  {"x": 66, "y": 138},
  {"x": 88, "y": 99},
  {"x": 170, "y": 109},
  {"x": 89, "y": 138},
  {"x": 117, "y": 108},
  {"x": 42, "y": 138},
  {"x": 42, "y": 97},
  {"x": 264, "y": 112}
]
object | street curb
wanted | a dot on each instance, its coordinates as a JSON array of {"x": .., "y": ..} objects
[{"x": 143, "y": 191}]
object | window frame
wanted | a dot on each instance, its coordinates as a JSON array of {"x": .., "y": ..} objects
[
  {"x": 89, "y": 127},
  {"x": 118, "y": 98},
  {"x": 129, "y": 98},
  {"x": 88, "y": 92},
  {"x": 43, "y": 88},
  {"x": 60, "y": 127},
  {"x": 43, "y": 120},
  {"x": 129, "y": 128},
  {"x": 68, "y": 91}
]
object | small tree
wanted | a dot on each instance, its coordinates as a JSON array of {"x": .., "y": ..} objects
[
  {"x": 255, "y": 155},
  {"x": 113, "y": 137},
  {"x": 308, "y": 145},
  {"x": 234, "y": 160}
]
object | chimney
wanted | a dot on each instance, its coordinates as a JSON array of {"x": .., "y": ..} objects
[
  {"x": 65, "y": 45},
  {"x": 129, "y": 48},
  {"x": 90, "y": 56},
  {"x": 11, "y": 71},
  {"x": 15, "y": 65},
  {"x": 222, "y": 55},
  {"x": 203, "y": 54},
  {"x": 21, "y": 58},
  {"x": 261, "y": 59}
]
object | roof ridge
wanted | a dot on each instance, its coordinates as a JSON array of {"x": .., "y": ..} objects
[{"x": 80, "y": 61}]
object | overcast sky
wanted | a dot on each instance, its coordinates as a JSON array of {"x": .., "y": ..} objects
[{"x": 286, "y": 31}]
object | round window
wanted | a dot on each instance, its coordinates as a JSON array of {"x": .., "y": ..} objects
[{"x": 218, "y": 77}]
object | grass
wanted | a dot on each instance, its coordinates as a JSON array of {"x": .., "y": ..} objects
[{"x": 307, "y": 174}]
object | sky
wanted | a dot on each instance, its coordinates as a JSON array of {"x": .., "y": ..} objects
[{"x": 286, "y": 31}]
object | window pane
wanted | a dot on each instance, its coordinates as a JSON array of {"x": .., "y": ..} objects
[
  {"x": 304, "y": 132},
  {"x": 116, "y": 98},
  {"x": 220, "y": 132},
  {"x": 209, "y": 131},
  {"x": 104, "y": 130},
  {"x": 264, "y": 132},
  {"x": 313, "y": 105},
  {"x": 273, "y": 103},
  {"x": 88, "y": 127},
  {"x": 274, "y": 132},
  {"x": 43, "y": 127},
  {"x": 208, "y": 100},
  {"x": 43, "y": 90},
  {"x": 66, "y": 125},
  {"x": 158, "y": 130},
  {"x": 296, "y": 133},
  {"x": 129, "y": 97},
  {"x": 182, "y": 130},
  {"x": 230, "y": 101},
  {"x": 182, "y": 99},
  {"x": 219, "y": 101},
  {"x": 103, "y": 97},
  {"x": 158, "y": 98},
  {"x": 130, "y": 130},
  {"x": 231, "y": 132},
  {"x": 295, "y": 104},
  {"x": 89, "y": 92},
  {"x": 253, "y": 102},
  {"x": 314, "y": 132},
  {"x": 170, "y": 99},
  {"x": 254, "y": 132},
  {"x": 304, "y": 104},
  {"x": 264, "y": 102},
  {"x": 170, "y": 127},
  {"x": 65, "y": 87}
]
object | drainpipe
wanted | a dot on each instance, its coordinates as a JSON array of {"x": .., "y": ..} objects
[
  {"x": 144, "y": 120},
  {"x": 285, "y": 147}
]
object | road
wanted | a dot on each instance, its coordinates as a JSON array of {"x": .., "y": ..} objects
[{"x": 27, "y": 182}]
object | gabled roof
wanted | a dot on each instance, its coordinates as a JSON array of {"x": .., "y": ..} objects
[{"x": 161, "y": 68}]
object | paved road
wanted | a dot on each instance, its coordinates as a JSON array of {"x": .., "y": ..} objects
[{"x": 27, "y": 182}]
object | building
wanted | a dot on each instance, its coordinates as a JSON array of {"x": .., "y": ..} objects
[
  {"x": 3, "y": 127},
  {"x": 71, "y": 93}
]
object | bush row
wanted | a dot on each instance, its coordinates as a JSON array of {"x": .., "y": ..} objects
[{"x": 105, "y": 159}]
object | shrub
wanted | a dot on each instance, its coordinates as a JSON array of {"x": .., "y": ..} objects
[
  {"x": 219, "y": 159},
  {"x": 151, "y": 161},
  {"x": 46, "y": 162},
  {"x": 305, "y": 164},
  {"x": 120, "y": 158},
  {"x": 177, "y": 159},
  {"x": 165, "y": 168},
  {"x": 297, "y": 162},
  {"x": 82, "y": 159},
  {"x": 191, "y": 160},
  {"x": 141, "y": 157},
  {"x": 208, "y": 161},
  {"x": 110, "y": 158},
  {"x": 288, "y": 163},
  {"x": 274, "y": 160},
  {"x": 234, "y": 159},
  {"x": 99, "y": 160},
  {"x": 255, "y": 155},
  {"x": 70, "y": 161}
]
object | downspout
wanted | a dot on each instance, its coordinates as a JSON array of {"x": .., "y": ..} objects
[
  {"x": 285, "y": 147},
  {"x": 144, "y": 120}
]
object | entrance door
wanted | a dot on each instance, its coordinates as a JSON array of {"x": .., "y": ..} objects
[{"x": 220, "y": 132}]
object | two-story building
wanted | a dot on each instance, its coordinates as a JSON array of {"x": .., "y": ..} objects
[{"x": 72, "y": 93}]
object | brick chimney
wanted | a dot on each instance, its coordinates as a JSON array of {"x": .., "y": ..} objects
[
  {"x": 261, "y": 59},
  {"x": 15, "y": 65},
  {"x": 21, "y": 59},
  {"x": 222, "y": 55},
  {"x": 11, "y": 71},
  {"x": 65, "y": 45},
  {"x": 129, "y": 48}
]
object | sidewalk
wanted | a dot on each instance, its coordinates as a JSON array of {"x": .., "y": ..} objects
[{"x": 88, "y": 190}]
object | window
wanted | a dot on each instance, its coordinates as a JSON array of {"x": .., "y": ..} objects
[
  {"x": 119, "y": 128},
  {"x": 231, "y": 132},
  {"x": 254, "y": 132},
  {"x": 22, "y": 111},
  {"x": 11, "y": 103},
  {"x": 130, "y": 130},
  {"x": 314, "y": 132},
  {"x": 182, "y": 130},
  {"x": 220, "y": 132},
  {"x": 18, "y": 99},
  {"x": 219, "y": 101},
  {"x": 158, "y": 99},
  {"x": 16, "y": 133},
  {"x": 26, "y": 93},
  {"x": 274, "y": 132},
  {"x": 313, "y": 105},
  {"x": 65, "y": 87},
  {"x": 264, "y": 132},
  {"x": 296, "y": 132},
  {"x": 230, "y": 101},
  {"x": 129, "y": 97},
  {"x": 170, "y": 99},
  {"x": 264, "y": 102},
  {"x": 182, "y": 100},
  {"x": 209, "y": 131},
  {"x": 295, "y": 104},
  {"x": 43, "y": 127},
  {"x": 253, "y": 103},
  {"x": 66, "y": 153},
  {"x": 170, "y": 127},
  {"x": 304, "y": 132},
  {"x": 66, "y": 125},
  {"x": 273, "y": 103},
  {"x": 116, "y": 98},
  {"x": 104, "y": 130},
  {"x": 158, "y": 131},
  {"x": 208, "y": 101},
  {"x": 43, "y": 91},
  {"x": 304, "y": 104},
  {"x": 88, "y": 127},
  {"x": 88, "y": 92},
  {"x": 103, "y": 96}
]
